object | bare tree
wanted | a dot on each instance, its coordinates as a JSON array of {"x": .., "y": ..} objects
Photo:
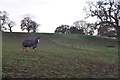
[
  {"x": 3, "y": 19},
  {"x": 82, "y": 25},
  {"x": 10, "y": 25},
  {"x": 29, "y": 25},
  {"x": 63, "y": 29},
  {"x": 25, "y": 24},
  {"x": 107, "y": 12},
  {"x": 91, "y": 27}
]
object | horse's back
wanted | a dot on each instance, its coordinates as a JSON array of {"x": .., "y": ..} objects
[{"x": 27, "y": 43}]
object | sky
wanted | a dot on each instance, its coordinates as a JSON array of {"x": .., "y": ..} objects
[{"x": 48, "y": 13}]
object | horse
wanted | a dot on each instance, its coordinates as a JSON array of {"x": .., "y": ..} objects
[{"x": 30, "y": 43}]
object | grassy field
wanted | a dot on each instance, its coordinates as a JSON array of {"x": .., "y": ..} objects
[{"x": 60, "y": 56}]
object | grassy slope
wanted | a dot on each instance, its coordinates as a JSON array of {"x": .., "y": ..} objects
[{"x": 60, "y": 56}]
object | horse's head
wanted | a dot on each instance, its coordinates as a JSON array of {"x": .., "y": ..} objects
[{"x": 38, "y": 39}]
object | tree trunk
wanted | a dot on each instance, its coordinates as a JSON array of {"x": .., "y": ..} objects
[
  {"x": 0, "y": 28},
  {"x": 118, "y": 29},
  {"x": 34, "y": 31},
  {"x": 28, "y": 31},
  {"x": 118, "y": 35},
  {"x": 10, "y": 30}
]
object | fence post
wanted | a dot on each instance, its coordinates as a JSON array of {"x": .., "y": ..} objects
[{"x": 0, "y": 55}]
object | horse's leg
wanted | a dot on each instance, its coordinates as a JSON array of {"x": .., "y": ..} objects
[
  {"x": 34, "y": 49},
  {"x": 25, "y": 49}
]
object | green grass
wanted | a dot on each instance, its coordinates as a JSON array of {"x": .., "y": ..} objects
[
  {"x": 61, "y": 57},
  {"x": 84, "y": 42}
]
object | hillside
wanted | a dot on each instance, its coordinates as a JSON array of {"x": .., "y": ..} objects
[
  {"x": 60, "y": 56},
  {"x": 78, "y": 41}
]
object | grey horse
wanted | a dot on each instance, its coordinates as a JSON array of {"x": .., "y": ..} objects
[{"x": 30, "y": 43}]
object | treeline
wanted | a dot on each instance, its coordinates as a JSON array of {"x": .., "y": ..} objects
[
  {"x": 82, "y": 27},
  {"x": 108, "y": 21},
  {"x": 79, "y": 27}
]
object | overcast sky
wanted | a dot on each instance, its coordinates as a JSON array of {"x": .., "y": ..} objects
[{"x": 49, "y": 13}]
